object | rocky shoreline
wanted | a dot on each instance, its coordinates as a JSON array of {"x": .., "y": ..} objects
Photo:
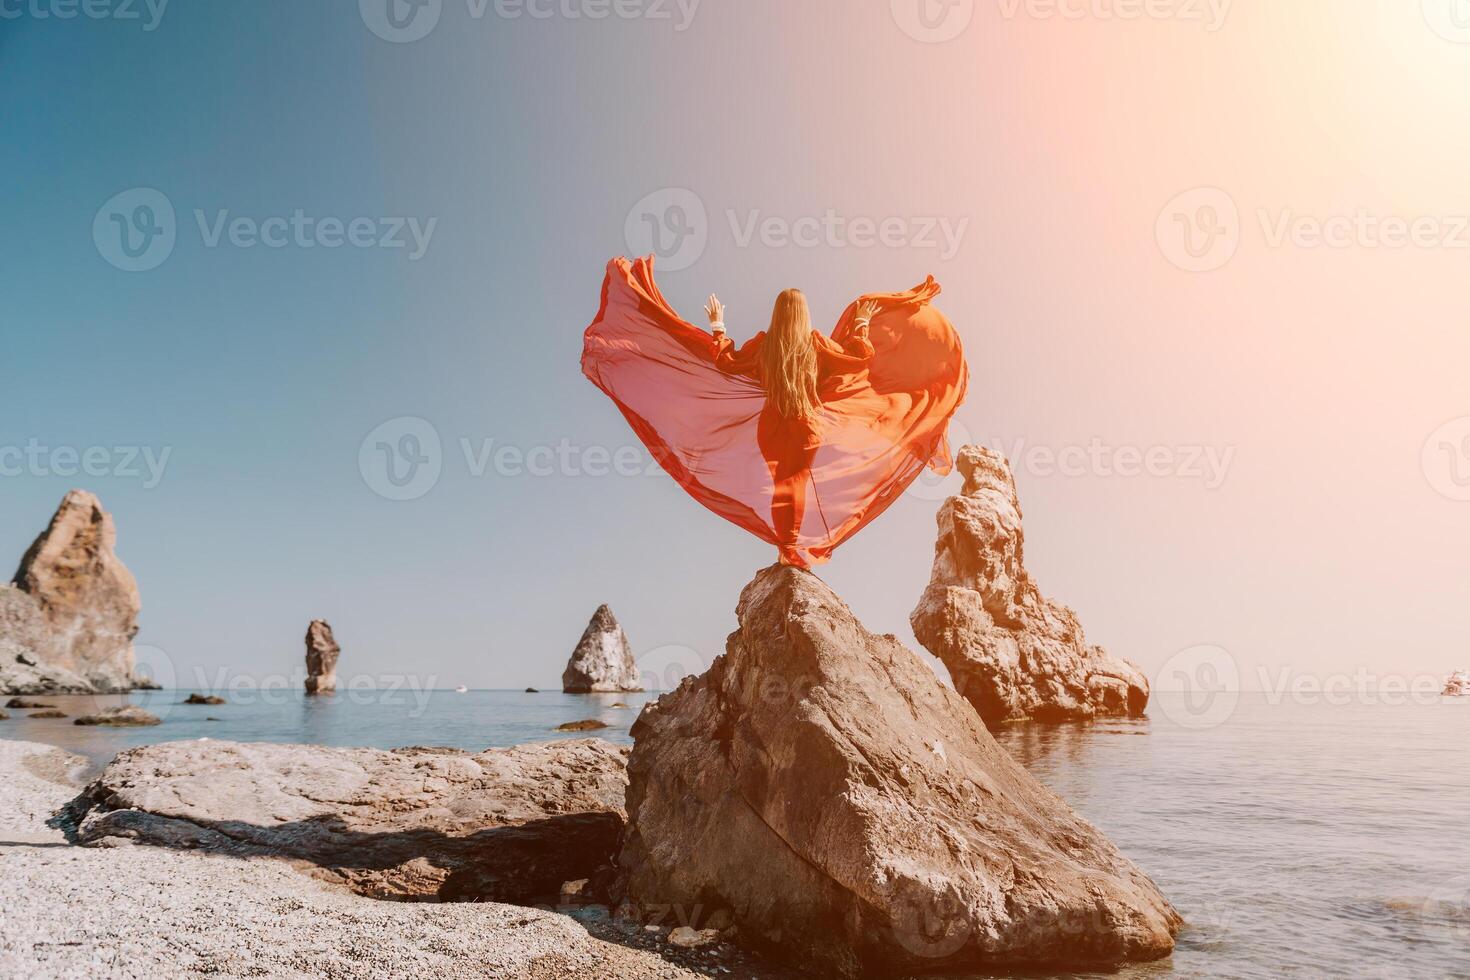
[
  {"x": 818, "y": 803},
  {"x": 135, "y": 911}
]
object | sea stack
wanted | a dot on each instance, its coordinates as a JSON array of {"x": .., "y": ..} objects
[
  {"x": 603, "y": 660},
  {"x": 321, "y": 658},
  {"x": 822, "y": 789},
  {"x": 68, "y": 620},
  {"x": 1013, "y": 653}
]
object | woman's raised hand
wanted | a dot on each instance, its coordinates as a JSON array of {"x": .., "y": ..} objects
[
  {"x": 866, "y": 310},
  {"x": 716, "y": 312}
]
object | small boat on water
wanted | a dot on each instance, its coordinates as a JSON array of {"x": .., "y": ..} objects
[
  {"x": 1457, "y": 685},
  {"x": 461, "y": 690}
]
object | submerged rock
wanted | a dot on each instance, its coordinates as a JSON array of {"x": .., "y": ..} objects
[
  {"x": 603, "y": 660},
  {"x": 203, "y": 699},
  {"x": 1013, "y": 653},
  {"x": 23, "y": 703},
  {"x": 322, "y": 652},
  {"x": 821, "y": 788},
  {"x": 589, "y": 725},
  {"x": 124, "y": 716},
  {"x": 47, "y": 713},
  {"x": 67, "y": 622},
  {"x": 505, "y": 825}
]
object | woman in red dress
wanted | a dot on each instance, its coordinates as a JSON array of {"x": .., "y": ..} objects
[
  {"x": 799, "y": 438},
  {"x": 793, "y": 364}
]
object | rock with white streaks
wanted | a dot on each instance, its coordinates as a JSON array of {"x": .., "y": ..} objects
[{"x": 603, "y": 659}]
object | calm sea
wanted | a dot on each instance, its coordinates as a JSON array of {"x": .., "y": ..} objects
[{"x": 1298, "y": 840}]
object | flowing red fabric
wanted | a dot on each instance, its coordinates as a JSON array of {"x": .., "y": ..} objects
[{"x": 882, "y": 420}]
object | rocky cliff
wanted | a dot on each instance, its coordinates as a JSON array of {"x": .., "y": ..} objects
[
  {"x": 820, "y": 788},
  {"x": 68, "y": 620},
  {"x": 1012, "y": 652}
]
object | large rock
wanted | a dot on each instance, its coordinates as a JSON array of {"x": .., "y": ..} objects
[
  {"x": 68, "y": 621},
  {"x": 603, "y": 660},
  {"x": 322, "y": 652},
  {"x": 505, "y": 825},
  {"x": 1012, "y": 652},
  {"x": 821, "y": 787}
]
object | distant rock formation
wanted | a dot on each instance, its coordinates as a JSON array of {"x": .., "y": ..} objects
[
  {"x": 321, "y": 658},
  {"x": 504, "y": 825},
  {"x": 822, "y": 788},
  {"x": 1457, "y": 685},
  {"x": 1013, "y": 653},
  {"x": 204, "y": 699},
  {"x": 124, "y": 716},
  {"x": 603, "y": 660},
  {"x": 67, "y": 622}
]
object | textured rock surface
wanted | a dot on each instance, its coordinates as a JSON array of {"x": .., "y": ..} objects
[
  {"x": 504, "y": 825},
  {"x": 603, "y": 660},
  {"x": 820, "y": 785},
  {"x": 68, "y": 621},
  {"x": 75, "y": 913},
  {"x": 322, "y": 652},
  {"x": 1010, "y": 651}
]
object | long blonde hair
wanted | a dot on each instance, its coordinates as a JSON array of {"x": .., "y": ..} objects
[{"x": 789, "y": 358}]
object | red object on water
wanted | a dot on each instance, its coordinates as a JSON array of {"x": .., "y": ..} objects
[{"x": 882, "y": 420}]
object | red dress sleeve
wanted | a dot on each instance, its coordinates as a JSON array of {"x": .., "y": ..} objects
[
  {"x": 745, "y": 361},
  {"x": 852, "y": 354}
]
